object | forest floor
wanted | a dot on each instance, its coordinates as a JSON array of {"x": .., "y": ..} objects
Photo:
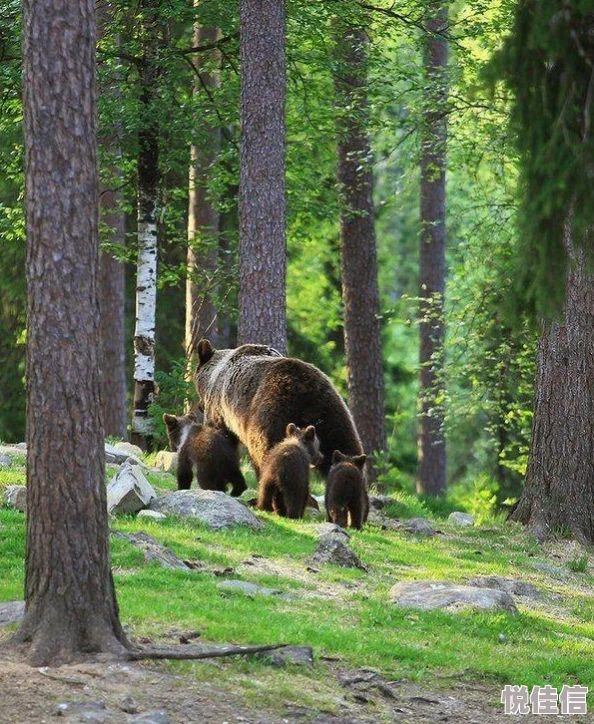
[{"x": 373, "y": 661}]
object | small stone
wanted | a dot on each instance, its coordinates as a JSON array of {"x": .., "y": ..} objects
[
  {"x": 83, "y": 709},
  {"x": 419, "y": 526},
  {"x": 129, "y": 449},
  {"x": 379, "y": 502},
  {"x": 151, "y": 515},
  {"x": 152, "y": 717},
  {"x": 332, "y": 529},
  {"x": 463, "y": 519},
  {"x": 296, "y": 655},
  {"x": 5, "y": 461},
  {"x": 333, "y": 550},
  {"x": 11, "y": 613},
  {"x": 429, "y": 595},
  {"x": 250, "y": 589},
  {"x": 129, "y": 705},
  {"x": 15, "y": 497},
  {"x": 166, "y": 461},
  {"x": 502, "y": 638},
  {"x": 153, "y": 551},
  {"x": 129, "y": 491}
]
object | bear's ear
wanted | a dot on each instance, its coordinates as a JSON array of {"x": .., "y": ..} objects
[
  {"x": 205, "y": 351},
  {"x": 291, "y": 430},
  {"x": 192, "y": 416},
  {"x": 310, "y": 433},
  {"x": 337, "y": 457},
  {"x": 360, "y": 461},
  {"x": 171, "y": 421}
]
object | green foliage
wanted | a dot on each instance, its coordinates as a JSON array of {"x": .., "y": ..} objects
[
  {"x": 547, "y": 64},
  {"x": 578, "y": 565}
]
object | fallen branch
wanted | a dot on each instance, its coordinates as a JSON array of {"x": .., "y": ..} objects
[{"x": 198, "y": 652}]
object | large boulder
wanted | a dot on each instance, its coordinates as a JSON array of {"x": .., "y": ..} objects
[
  {"x": 462, "y": 519},
  {"x": 212, "y": 507},
  {"x": 129, "y": 491},
  {"x": 15, "y": 496},
  {"x": 429, "y": 595},
  {"x": 129, "y": 449},
  {"x": 166, "y": 461},
  {"x": 513, "y": 586}
]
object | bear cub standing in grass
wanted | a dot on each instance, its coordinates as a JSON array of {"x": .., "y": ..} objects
[
  {"x": 347, "y": 502},
  {"x": 214, "y": 452},
  {"x": 284, "y": 483}
]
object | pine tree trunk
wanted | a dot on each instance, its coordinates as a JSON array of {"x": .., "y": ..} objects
[
  {"x": 360, "y": 294},
  {"x": 112, "y": 301},
  {"x": 70, "y": 600},
  {"x": 431, "y": 478},
  {"x": 203, "y": 216},
  {"x": 147, "y": 203},
  {"x": 262, "y": 254},
  {"x": 559, "y": 491}
]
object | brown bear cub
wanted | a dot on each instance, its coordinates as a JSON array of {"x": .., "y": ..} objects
[
  {"x": 284, "y": 482},
  {"x": 214, "y": 452},
  {"x": 347, "y": 501}
]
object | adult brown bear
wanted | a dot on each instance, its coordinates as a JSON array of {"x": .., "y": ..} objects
[{"x": 255, "y": 393}]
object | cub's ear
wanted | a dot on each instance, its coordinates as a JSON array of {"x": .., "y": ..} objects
[
  {"x": 337, "y": 457},
  {"x": 360, "y": 461},
  {"x": 205, "y": 351},
  {"x": 310, "y": 433},
  {"x": 171, "y": 421},
  {"x": 192, "y": 416},
  {"x": 291, "y": 430}
]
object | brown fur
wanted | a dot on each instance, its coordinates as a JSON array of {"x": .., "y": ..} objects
[
  {"x": 284, "y": 484},
  {"x": 214, "y": 453},
  {"x": 347, "y": 501},
  {"x": 256, "y": 393}
]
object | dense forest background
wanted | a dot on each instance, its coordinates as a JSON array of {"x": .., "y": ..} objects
[{"x": 490, "y": 350}]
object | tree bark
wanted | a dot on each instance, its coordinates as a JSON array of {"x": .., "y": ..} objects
[
  {"x": 360, "y": 294},
  {"x": 70, "y": 600},
  {"x": 262, "y": 214},
  {"x": 147, "y": 203},
  {"x": 203, "y": 216},
  {"x": 431, "y": 478},
  {"x": 559, "y": 491}
]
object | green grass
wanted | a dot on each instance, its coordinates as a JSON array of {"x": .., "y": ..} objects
[{"x": 342, "y": 612}]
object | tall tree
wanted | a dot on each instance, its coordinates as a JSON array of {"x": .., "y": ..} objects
[
  {"x": 360, "y": 294},
  {"x": 262, "y": 204},
  {"x": 70, "y": 599},
  {"x": 431, "y": 478},
  {"x": 203, "y": 215},
  {"x": 147, "y": 204}
]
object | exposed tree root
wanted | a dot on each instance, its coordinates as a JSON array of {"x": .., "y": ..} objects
[{"x": 180, "y": 653}]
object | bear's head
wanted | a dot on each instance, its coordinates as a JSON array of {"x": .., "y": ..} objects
[
  {"x": 308, "y": 439},
  {"x": 213, "y": 362},
  {"x": 178, "y": 428},
  {"x": 357, "y": 460}
]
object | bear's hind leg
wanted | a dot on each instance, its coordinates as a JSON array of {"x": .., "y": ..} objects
[{"x": 184, "y": 471}]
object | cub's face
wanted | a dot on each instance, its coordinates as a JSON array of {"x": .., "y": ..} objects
[
  {"x": 308, "y": 438},
  {"x": 178, "y": 428}
]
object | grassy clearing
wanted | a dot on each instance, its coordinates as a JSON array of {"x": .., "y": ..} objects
[{"x": 346, "y": 613}]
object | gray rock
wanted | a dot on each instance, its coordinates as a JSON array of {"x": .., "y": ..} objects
[
  {"x": 166, "y": 461},
  {"x": 128, "y": 704},
  {"x": 151, "y": 717},
  {"x": 333, "y": 550},
  {"x": 129, "y": 449},
  {"x": 552, "y": 570},
  {"x": 509, "y": 585},
  {"x": 113, "y": 455},
  {"x": 250, "y": 589},
  {"x": 463, "y": 519},
  {"x": 419, "y": 526},
  {"x": 153, "y": 551},
  {"x": 15, "y": 496},
  {"x": 296, "y": 655},
  {"x": 332, "y": 529},
  {"x": 211, "y": 507},
  {"x": 151, "y": 515},
  {"x": 129, "y": 491},
  {"x": 85, "y": 711},
  {"x": 429, "y": 595},
  {"x": 5, "y": 461},
  {"x": 11, "y": 613},
  {"x": 379, "y": 502}
]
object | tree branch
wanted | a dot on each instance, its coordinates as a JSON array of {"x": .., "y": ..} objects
[{"x": 209, "y": 46}]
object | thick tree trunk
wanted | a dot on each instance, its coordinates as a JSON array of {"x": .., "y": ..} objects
[
  {"x": 262, "y": 254},
  {"x": 559, "y": 491},
  {"x": 360, "y": 294},
  {"x": 431, "y": 478},
  {"x": 147, "y": 203},
  {"x": 112, "y": 305},
  {"x": 70, "y": 599},
  {"x": 203, "y": 216}
]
